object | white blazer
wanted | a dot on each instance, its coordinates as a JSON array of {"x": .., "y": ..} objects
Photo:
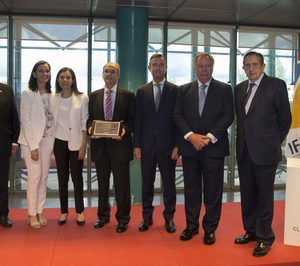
[
  {"x": 78, "y": 117},
  {"x": 33, "y": 119}
]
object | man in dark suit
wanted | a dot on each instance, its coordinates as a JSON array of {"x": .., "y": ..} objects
[
  {"x": 203, "y": 113},
  {"x": 154, "y": 141},
  {"x": 9, "y": 134},
  {"x": 263, "y": 121},
  {"x": 112, "y": 154}
]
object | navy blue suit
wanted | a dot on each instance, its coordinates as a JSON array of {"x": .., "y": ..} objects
[
  {"x": 206, "y": 165},
  {"x": 259, "y": 135},
  {"x": 155, "y": 134}
]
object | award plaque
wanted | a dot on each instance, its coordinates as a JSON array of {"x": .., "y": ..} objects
[{"x": 107, "y": 129}]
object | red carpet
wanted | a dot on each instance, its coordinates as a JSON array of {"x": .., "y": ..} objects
[{"x": 73, "y": 245}]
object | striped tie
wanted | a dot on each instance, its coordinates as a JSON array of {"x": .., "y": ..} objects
[
  {"x": 108, "y": 106},
  {"x": 202, "y": 97}
]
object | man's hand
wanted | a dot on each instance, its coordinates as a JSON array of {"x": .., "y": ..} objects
[
  {"x": 198, "y": 141},
  {"x": 175, "y": 154},
  {"x": 137, "y": 153}
]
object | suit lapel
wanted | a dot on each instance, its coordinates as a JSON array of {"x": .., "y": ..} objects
[{"x": 258, "y": 93}]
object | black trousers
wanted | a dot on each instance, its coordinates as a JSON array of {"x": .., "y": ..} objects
[
  {"x": 166, "y": 168},
  {"x": 67, "y": 161},
  {"x": 257, "y": 197},
  {"x": 209, "y": 172},
  {"x": 120, "y": 170},
  {"x": 4, "y": 170}
]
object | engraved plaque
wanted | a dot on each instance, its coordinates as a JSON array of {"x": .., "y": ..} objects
[{"x": 107, "y": 129}]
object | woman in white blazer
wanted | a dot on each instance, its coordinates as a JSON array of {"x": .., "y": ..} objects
[
  {"x": 71, "y": 114},
  {"x": 36, "y": 139}
]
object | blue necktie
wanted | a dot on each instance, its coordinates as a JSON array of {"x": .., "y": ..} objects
[
  {"x": 202, "y": 98},
  {"x": 248, "y": 93},
  {"x": 157, "y": 96}
]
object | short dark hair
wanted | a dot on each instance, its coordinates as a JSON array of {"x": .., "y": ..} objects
[
  {"x": 259, "y": 55},
  {"x": 32, "y": 83},
  {"x": 74, "y": 84},
  {"x": 157, "y": 56}
]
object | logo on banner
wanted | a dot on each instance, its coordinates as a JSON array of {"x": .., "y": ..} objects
[{"x": 292, "y": 148}]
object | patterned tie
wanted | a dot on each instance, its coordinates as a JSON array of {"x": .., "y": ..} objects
[
  {"x": 202, "y": 98},
  {"x": 157, "y": 96},
  {"x": 108, "y": 106},
  {"x": 248, "y": 93}
]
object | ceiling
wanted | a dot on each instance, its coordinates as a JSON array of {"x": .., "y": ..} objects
[{"x": 269, "y": 13}]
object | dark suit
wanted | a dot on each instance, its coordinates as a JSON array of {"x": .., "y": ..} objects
[
  {"x": 113, "y": 155},
  {"x": 259, "y": 135},
  {"x": 206, "y": 165},
  {"x": 155, "y": 134},
  {"x": 9, "y": 133}
]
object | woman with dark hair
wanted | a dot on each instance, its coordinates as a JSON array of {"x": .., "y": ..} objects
[
  {"x": 36, "y": 139},
  {"x": 71, "y": 113}
]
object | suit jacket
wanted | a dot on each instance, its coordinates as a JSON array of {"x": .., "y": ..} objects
[
  {"x": 267, "y": 122},
  {"x": 151, "y": 125},
  {"x": 217, "y": 116},
  {"x": 77, "y": 120},
  {"x": 123, "y": 111},
  {"x": 9, "y": 120},
  {"x": 33, "y": 119}
]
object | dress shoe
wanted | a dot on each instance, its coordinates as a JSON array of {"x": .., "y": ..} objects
[
  {"x": 62, "y": 218},
  {"x": 261, "y": 249},
  {"x": 80, "y": 219},
  {"x": 188, "y": 233},
  {"x": 209, "y": 237},
  {"x": 144, "y": 226},
  {"x": 42, "y": 219},
  {"x": 100, "y": 223},
  {"x": 33, "y": 221},
  {"x": 121, "y": 228},
  {"x": 170, "y": 226},
  {"x": 5, "y": 222},
  {"x": 245, "y": 238}
]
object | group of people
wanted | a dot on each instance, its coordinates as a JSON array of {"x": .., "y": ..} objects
[{"x": 159, "y": 124}]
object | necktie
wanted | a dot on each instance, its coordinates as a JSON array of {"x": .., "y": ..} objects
[
  {"x": 248, "y": 93},
  {"x": 108, "y": 106},
  {"x": 157, "y": 96},
  {"x": 202, "y": 97}
]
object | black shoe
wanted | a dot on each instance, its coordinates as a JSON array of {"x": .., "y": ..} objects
[
  {"x": 261, "y": 249},
  {"x": 63, "y": 220},
  {"x": 144, "y": 226},
  {"x": 245, "y": 238},
  {"x": 100, "y": 223},
  {"x": 188, "y": 233},
  {"x": 209, "y": 237},
  {"x": 5, "y": 222},
  {"x": 121, "y": 228},
  {"x": 170, "y": 226},
  {"x": 80, "y": 219}
]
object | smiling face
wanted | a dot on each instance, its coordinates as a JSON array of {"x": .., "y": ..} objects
[
  {"x": 111, "y": 74},
  {"x": 253, "y": 67},
  {"x": 204, "y": 67},
  {"x": 42, "y": 74},
  {"x": 65, "y": 80},
  {"x": 158, "y": 68}
]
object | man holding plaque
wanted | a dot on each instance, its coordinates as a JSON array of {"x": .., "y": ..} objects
[
  {"x": 154, "y": 141},
  {"x": 110, "y": 124}
]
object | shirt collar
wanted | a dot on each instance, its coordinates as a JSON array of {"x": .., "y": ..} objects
[
  {"x": 114, "y": 88},
  {"x": 257, "y": 82},
  {"x": 207, "y": 83}
]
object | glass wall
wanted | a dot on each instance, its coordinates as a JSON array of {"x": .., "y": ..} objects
[
  {"x": 86, "y": 46},
  {"x": 3, "y": 49}
]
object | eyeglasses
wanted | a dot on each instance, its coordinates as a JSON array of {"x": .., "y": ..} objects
[{"x": 253, "y": 65}]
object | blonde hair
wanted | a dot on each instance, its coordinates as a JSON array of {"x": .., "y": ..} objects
[
  {"x": 112, "y": 65},
  {"x": 203, "y": 54}
]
